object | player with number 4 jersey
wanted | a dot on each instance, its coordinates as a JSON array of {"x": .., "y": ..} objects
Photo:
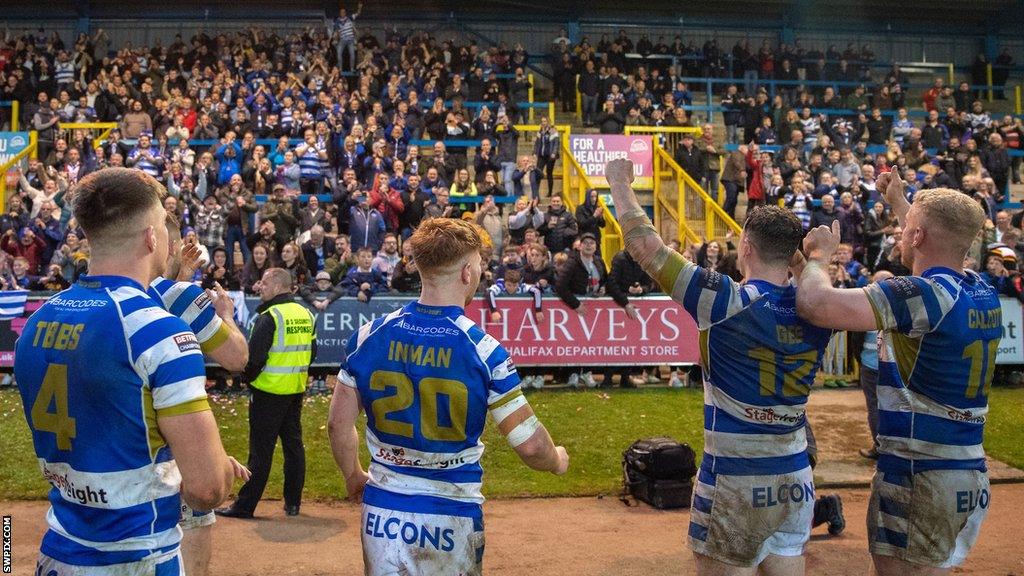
[
  {"x": 939, "y": 334},
  {"x": 114, "y": 393},
  {"x": 427, "y": 378}
]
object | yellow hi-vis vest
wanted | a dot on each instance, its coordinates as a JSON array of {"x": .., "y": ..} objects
[{"x": 289, "y": 357}]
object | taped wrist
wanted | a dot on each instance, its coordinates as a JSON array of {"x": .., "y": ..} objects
[{"x": 523, "y": 431}]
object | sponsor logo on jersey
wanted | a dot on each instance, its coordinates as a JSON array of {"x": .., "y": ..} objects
[
  {"x": 440, "y": 330},
  {"x": 66, "y": 303},
  {"x": 202, "y": 300},
  {"x": 769, "y": 416},
  {"x": 187, "y": 342},
  {"x": 903, "y": 287},
  {"x": 965, "y": 416},
  {"x": 81, "y": 494},
  {"x": 711, "y": 280},
  {"x": 396, "y": 456}
]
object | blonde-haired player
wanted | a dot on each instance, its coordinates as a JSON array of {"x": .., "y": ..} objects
[
  {"x": 427, "y": 377},
  {"x": 943, "y": 326}
]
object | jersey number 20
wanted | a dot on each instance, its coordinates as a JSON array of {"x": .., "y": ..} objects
[
  {"x": 54, "y": 390},
  {"x": 430, "y": 392}
]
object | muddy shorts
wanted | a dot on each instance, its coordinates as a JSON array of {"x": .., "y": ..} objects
[
  {"x": 930, "y": 518},
  {"x": 169, "y": 564},
  {"x": 413, "y": 544},
  {"x": 740, "y": 520},
  {"x": 190, "y": 518}
]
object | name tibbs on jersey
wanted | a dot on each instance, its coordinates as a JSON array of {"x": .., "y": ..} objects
[{"x": 57, "y": 335}]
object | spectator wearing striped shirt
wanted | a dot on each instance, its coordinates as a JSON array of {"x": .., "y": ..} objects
[
  {"x": 64, "y": 71},
  {"x": 310, "y": 170},
  {"x": 146, "y": 157},
  {"x": 345, "y": 30}
]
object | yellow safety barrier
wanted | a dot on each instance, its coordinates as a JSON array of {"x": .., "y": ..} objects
[
  {"x": 103, "y": 128},
  {"x": 670, "y": 136},
  {"x": 682, "y": 209},
  {"x": 15, "y": 114},
  {"x": 28, "y": 152},
  {"x": 952, "y": 74},
  {"x": 579, "y": 101},
  {"x": 529, "y": 94},
  {"x": 575, "y": 186}
]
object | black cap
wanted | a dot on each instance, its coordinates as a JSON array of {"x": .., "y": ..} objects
[{"x": 588, "y": 235}]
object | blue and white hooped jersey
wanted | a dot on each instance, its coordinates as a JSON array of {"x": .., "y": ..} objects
[
  {"x": 759, "y": 360},
  {"x": 427, "y": 378},
  {"x": 190, "y": 303},
  {"x": 96, "y": 366},
  {"x": 942, "y": 332}
]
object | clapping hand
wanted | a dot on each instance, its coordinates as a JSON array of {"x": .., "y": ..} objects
[
  {"x": 191, "y": 260},
  {"x": 222, "y": 302}
]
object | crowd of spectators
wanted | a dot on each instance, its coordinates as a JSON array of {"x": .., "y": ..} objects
[
  {"x": 814, "y": 147},
  {"x": 300, "y": 151},
  {"x": 275, "y": 149}
]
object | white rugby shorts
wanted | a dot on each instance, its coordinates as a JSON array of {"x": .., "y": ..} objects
[
  {"x": 169, "y": 564},
  {"x": 740, "y": 520},
  {"x": 930, "y": 518},
  {"x": 413, "y": 544}
]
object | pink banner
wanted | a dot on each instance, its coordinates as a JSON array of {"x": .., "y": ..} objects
[
  {"x": 664, "y": 334},
  {"x": 594, "y": 151}
]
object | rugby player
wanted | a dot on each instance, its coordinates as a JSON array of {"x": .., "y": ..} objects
[
  {"x": 427, "y": 378},
  {"x": 211, "y": 319},
  {"x": 753, "y": 502},
  {"x": 114, "y": 394},
  {"x": 942, "y": 325}
]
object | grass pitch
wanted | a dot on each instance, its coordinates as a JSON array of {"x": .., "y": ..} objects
[{"x": 594, "y": 425}]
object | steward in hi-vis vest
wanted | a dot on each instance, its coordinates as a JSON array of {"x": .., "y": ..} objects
[{"x": 282, "y": 344}]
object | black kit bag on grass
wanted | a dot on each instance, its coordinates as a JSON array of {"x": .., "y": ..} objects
[{"x": 659, "y": 471}]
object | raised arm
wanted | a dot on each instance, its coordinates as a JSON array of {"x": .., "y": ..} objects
[
  {"x": 688, "y": 284},
  {"x": 817, "y": 301},
  {"x": 893, "y": 189},
  {"x": 642, "y": 240}
]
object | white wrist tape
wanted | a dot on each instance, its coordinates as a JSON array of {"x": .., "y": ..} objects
[{"x": 523, "y": 432}]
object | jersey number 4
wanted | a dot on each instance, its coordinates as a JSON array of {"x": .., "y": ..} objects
[
  {"x": 431, "y": 391},
  {"x": 54, "y": 391}
]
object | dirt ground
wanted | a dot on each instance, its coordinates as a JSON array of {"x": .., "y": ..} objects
[{"x": 564, "y": 536}]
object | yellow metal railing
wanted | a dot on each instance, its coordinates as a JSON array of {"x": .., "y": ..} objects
[
  {"x": 682, "y": 209},
  {"x": 579, "y": 102},
  {"x": 103, "y": 128},
  {"x": 28, "y": 152},
  {"x": 15, "y": 114},
  {"x": 529, "y": 94},
  {"x": 670, "y": 136},
  {"x": 575, "y": 186}
]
